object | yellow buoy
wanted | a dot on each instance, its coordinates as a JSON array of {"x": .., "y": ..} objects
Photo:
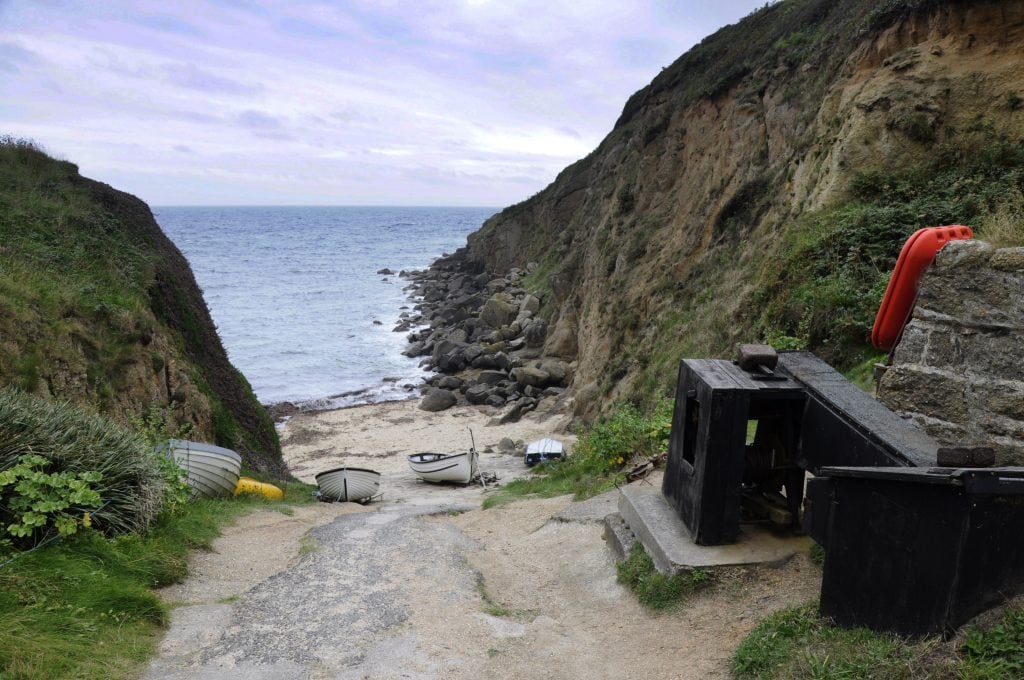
[{"x": 250, "y": 485}]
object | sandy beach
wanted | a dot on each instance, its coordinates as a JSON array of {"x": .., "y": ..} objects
[{"x": 380, "y": 436}]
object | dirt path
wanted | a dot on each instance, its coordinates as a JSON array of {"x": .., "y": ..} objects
[{"x": 428, "y": 586}]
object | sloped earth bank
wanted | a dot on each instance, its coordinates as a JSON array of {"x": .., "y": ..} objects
[{"x": 427, "y": 585}]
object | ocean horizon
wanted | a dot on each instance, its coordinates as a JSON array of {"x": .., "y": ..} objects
[{"x": 297, "y": 297}]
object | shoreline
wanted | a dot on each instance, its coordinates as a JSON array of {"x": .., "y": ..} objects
[{"x": 379, "y": 436}]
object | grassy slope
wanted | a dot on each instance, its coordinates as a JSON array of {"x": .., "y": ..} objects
[
  {"x": 84, "y": 608},
  {"x": 87, "y": 275}
]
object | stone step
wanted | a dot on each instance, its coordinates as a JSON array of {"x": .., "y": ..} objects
[{"x": 648, "y": 516}]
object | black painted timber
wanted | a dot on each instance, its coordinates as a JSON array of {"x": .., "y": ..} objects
[
  {"x": 704, "y": 473},
  {"x": 844, "y": 426},
  {"x": 917, "y": 551}
]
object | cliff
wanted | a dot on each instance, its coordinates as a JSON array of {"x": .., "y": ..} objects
[
  {"x": 99, "y": 308},
  {"x": 761, "y": 186}
]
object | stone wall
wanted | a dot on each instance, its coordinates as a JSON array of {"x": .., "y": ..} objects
[{"x": 958, "y": 371}]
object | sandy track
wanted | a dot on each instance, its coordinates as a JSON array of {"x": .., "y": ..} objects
[{"x": 426, "y": 585}]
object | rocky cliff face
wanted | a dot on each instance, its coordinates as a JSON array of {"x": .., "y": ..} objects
[
  {"x": 667, "y": 240},
  {"x": 99, "y": 308}
]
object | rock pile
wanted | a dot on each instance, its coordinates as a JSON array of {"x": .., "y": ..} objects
[{"x": 483, "y": 336}]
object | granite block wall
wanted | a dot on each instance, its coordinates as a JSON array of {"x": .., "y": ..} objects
[{"x": 958, "y": 370}]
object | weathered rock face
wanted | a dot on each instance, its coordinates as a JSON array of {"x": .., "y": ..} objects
[
  {"x": 958, "y": 370},
  {"x": 647, "y": 246}
]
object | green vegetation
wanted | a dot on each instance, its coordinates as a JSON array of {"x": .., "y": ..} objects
[
  {"x": 93, "y": 296},
  {"x": 91, "y": 519},
  {"x": 83, "y": 607},
  {"x": 997, "y": 652},
  {"x": 61, "y": 467},
  {"x": 797, "y": 643},
  {"x": 654, "y": 589},
  {"x": 823, "y": 286},
  {"x": 597, "y": 460}
]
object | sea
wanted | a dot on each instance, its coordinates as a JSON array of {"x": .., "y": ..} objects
[{"x": 296, "y": 297}]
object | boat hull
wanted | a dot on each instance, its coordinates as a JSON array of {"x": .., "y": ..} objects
[
  {"x": 213, "y": 471},
  {"x": 543, "y": 450},
  {"x": 348, "y": 484},
  {"x": 439, "y": 467}
]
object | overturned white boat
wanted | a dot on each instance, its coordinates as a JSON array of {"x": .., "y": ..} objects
[
  {"x": 348, "y": 484},
  {"x": 543, "y": 450},
  {"x": 442, "y": 467},
  {"x": 212, "y": 470}
]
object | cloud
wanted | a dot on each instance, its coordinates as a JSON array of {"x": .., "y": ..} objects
[
  {"x": 11, "y": 56},
  {"x": 258, "y": 120},
  {"x": 169, "y": 24},
  {"x": 224, "y": 101},
  {"x": 191, "y": 76}
]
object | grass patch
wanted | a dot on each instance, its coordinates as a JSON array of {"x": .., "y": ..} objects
[
  {"x": 798, "y": 643},
  {"x": 654, "y": 589},
  {"x": 598, "y": 459},
  {"x": 308, "y": 544},
  {"x": 84, "y": 608}
]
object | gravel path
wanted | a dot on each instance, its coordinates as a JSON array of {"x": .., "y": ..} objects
[{"x": 428, "y": 586}]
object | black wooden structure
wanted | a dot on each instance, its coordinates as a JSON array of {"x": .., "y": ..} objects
[
  {"x": 910, "y": 547},
  {"x": 731, "y": 432}
]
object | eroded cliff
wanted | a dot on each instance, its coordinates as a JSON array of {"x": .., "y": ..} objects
[{"x": 761, "y": 186}]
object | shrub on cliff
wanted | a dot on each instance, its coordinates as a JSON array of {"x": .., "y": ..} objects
[{"x": 61, "y": 468}]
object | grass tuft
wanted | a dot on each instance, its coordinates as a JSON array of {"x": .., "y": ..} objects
[{"x": 652, "y": 588}]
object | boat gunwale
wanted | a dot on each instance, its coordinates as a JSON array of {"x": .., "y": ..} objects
[
  {"x": 440, "y": 456},
  {"x": 345, "y": 467}
]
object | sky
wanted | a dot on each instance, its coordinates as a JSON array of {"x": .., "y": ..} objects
[{"x": 293, "y": 102}]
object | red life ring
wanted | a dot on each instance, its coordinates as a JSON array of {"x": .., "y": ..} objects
[{"x": 916, "y": 256}]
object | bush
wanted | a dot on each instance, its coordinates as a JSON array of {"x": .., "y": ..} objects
[
  {"x": 41, "y": 502},
  {"x": 70, "y": 454},
  {"x": 611, "y": 443}
]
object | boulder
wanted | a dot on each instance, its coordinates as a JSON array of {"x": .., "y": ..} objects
[
  {"x": 437, "y": 399},
  {"x": 492, "y": 377},
  {"x": 562, "y": 341},
  {"x": 530, "y": 376},
  {"x": 499, "y": 310},
  {"x": 506, "y": 445},
  {"x": 385, "y": 271},
  {"x": 495, "y": 400},
  {"x": 536, "y": 333},
  {"x": 558, "y": 370},
  {"x": 478, "y": 394},
  {"x": 450, "y": 382},
  {"x": 471, "y": 353},
  {"x": 530, "y": 304},
  {"x": 498, "y": 361},
  {"x": 453, "y": 362}
]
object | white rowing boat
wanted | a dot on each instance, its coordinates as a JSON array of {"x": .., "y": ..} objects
[
  {"x": 348, "y": 484},
  {"x": 212, "y": 470},
  {"x": 442, "y": 467}
]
